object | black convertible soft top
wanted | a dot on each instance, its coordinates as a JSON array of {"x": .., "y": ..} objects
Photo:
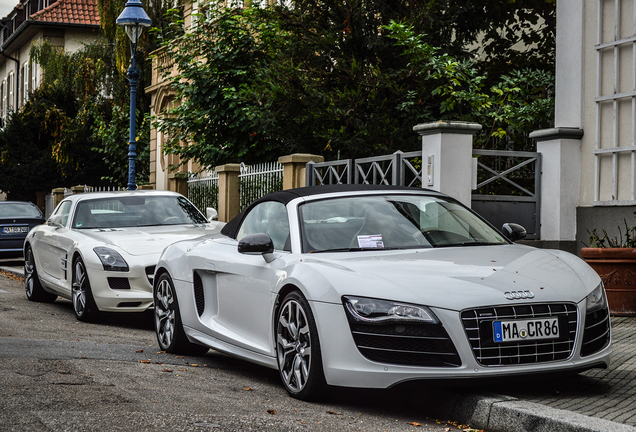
[{"x": 285, "y": 196}]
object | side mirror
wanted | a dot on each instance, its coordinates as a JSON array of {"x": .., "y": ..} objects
[
  {"x": 256, "y": 244},
  {"x": 55, "y": 220},
  {"x": 211, "y": 214},
  {"x": 513, "y": 231}
]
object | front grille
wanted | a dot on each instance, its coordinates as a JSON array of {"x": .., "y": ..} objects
[
  {"x": 596, "y": 335},
  {"x": 118, "y": 283},
  {"x": 198, "y": 294},
  {"x": 410, "y": 344},
  {"x": 479, "y": 330},
  {"x": 128, "y": 304}
]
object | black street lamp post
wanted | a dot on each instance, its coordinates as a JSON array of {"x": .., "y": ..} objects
[{"x": 133, "y": 18}]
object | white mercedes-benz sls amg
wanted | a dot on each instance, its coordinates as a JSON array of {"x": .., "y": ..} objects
[{"x": 100, "y": 249}]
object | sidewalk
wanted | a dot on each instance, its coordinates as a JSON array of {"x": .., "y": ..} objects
[
  {"x": 594, "y": 401},
  {"x": 599, "y": 400}
]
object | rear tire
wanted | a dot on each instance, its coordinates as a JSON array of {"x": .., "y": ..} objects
[
  {"x": 83, "y": 303},
  {"x": 168, "y": 324},
  {"x": 34, "y": 290}
]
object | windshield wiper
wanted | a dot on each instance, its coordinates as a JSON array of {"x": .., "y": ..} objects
[
  {"x": 466, "y": 244},
  {"x": 355, "y": 249}
]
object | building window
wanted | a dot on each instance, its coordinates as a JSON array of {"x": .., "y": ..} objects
[
  {"x": 10, "y": 87},
  {"x": 34, "y": 76},
  {"x": 24, "y": 83}
]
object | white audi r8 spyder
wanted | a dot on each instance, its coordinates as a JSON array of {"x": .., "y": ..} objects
[
  {"x": 371, "y": 286},
  {"x": 100, "y": 249}
]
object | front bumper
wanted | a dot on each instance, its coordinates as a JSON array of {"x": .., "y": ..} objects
[
  {"x": 344, "y": 365},
  {"x": 129, "y": 291}
]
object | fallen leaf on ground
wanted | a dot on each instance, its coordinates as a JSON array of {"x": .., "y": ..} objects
[
  {"x": 166, "y": 370},
  {"x": 334, "y": 413},
  {"x": 415, "y": 424},
  {"x": 140, "y": 351},
  {"x": 144, "y": 361},
  {"x": 248, "y": 389},
  {"x": 271, "y": 411}
]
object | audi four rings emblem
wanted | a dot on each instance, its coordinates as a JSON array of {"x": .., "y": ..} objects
[{"x": 516, "y": 295}]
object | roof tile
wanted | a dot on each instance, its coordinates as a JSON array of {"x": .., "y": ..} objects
[{"x": 70, "y": 11}]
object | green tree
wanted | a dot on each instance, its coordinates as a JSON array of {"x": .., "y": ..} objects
[
  {"x": 96, "y": 93},
  {"x": 46, "y": 144},
  {"x": 351, "y": 79}
]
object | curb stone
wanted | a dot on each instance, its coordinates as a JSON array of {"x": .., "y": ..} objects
[
  {"x": 18, "y": 271},
  {"x": 496, "y": 413}
]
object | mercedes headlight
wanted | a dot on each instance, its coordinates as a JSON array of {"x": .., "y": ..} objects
[
  {"x": 378, "y": 311},
  {"x": 596, "y": 300},
  {"x": 111, "y": 259}
]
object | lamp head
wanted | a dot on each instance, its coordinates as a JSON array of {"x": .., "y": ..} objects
[{"x": 134, "y": 18}]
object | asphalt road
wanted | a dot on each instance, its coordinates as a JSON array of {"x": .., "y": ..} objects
[{"x": 57, "y": 373}]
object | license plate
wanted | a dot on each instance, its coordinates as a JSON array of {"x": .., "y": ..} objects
[
  {"x": 15, "y": 230},
  {"x": 523, "y": 330}
]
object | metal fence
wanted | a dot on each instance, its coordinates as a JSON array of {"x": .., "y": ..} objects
[
  {"x": 258, "y": 180},
  {"x": 203, "y": 190},
  {"x": 88, "y": 189},
  {"x": 508, "y": 189},
  {"x": 402, "y": 169},
  {"x": 49, "y": 205}
]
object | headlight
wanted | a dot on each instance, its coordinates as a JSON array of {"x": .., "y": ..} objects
[
  {"x": 378, "y": 311},
  {"x": 596, "y": 300},
  {"x": 111, "y": 260}
]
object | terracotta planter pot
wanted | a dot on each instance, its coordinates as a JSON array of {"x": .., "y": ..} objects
[{"x": 617, "y": 269}]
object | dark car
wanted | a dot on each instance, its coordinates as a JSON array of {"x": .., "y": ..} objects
[{"x": 16, "y": 220}]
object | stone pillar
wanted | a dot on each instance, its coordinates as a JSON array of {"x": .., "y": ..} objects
[
  {"x": 447, "y": 157},
  {"x": 229, "y": 195},
  {"x": 58, "y": 195},
  {"x": 178, "y": 182},
  {"x": 40, "y": 197},
  {"x": 77, "y": 189},
  {"x": 560, "y": 150},
  {"x": 294, "y": 168}
]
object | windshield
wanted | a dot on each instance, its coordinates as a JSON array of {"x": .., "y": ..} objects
[
  {"x": 391, "y": 222},
  {"x": 136, "y": 211},
  {"x": 19, "y": 210}
]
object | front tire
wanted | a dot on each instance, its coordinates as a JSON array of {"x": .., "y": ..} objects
[
  {"x": 168, "y": 324},
  {"x": 82, "y": 295},
  {"x": 32, "y": 285},
  {"x": 298, "y": 349}
]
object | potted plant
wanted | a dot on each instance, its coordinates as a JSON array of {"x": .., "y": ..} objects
[{"x": 614, "y": 259}]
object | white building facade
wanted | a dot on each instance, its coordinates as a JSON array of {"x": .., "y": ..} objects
[
  {"x": 68, "y": 24},
  {"x": 589, "y": 158}
]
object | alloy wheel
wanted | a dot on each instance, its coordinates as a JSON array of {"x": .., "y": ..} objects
[
  {"x": 164, "y": 313},
  {"x": 293, "y": 340},
  {"x": 29, "y": 270},
  {"x": 79, "y": 288}
]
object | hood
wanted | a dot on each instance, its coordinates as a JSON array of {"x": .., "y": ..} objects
[
  {"x": 152, "y": 239},
  {"x": 459, "y": 278}
]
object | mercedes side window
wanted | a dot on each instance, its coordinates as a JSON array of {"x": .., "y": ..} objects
[
  {"x": 64, "y": 209},
  {"x": 269, "y": 217}
]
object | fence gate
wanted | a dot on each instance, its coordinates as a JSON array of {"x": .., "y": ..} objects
[{"x": 509, "y": 189}]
